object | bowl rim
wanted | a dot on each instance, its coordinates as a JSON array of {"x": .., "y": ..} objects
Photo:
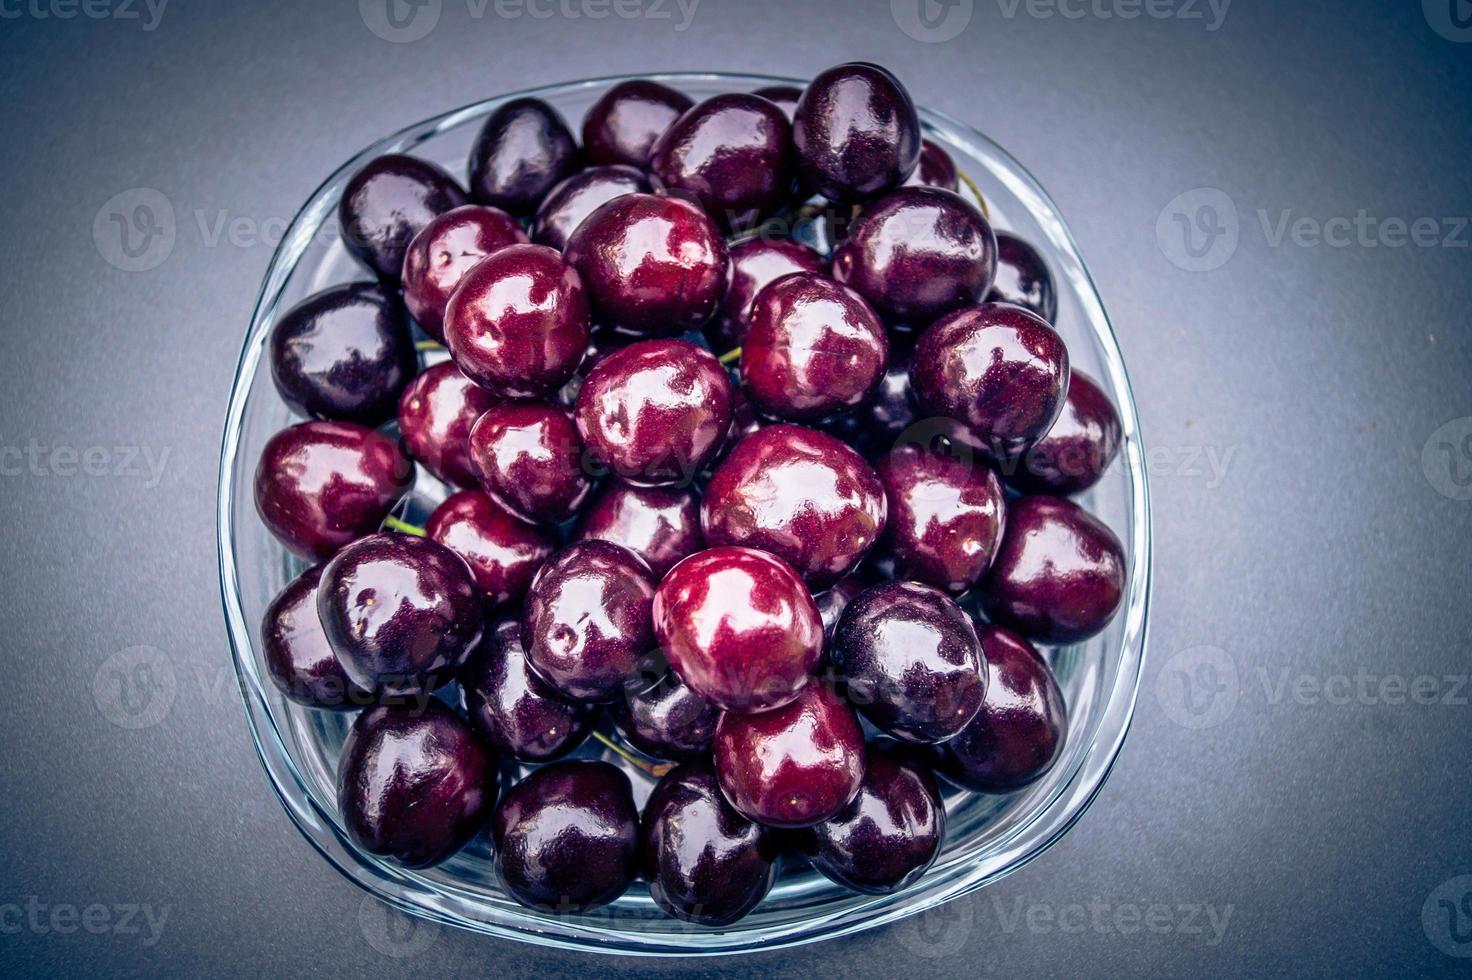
[{"x": 417, "y": 897}]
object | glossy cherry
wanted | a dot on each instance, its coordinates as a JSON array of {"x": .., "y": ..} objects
[
  {"x": 503, "y": 551},
  {"x": 945, "y": 515},
  {"x": 567, "y": 836},
  {"x": 444, "y": 250},
  {"x": 666, "y": 720},
  {"x": 523, "y": 150},
  {"x": 1059, "y": 576},
  {"x": 529, "y": 457},
  {"x": 1077, "y": 449},
  {"x": 320, "y": 485},
  {"x": 754, "y": 263},
  {"x": 936, "y": 169},
  {"x": 856, "y": 133},
  {"x": 655, "y": 412},
  {"x": 386, "y": 204},
  {"x": 436, "y": 413},
  {"x": 739, "y": 627},
  {"x": 659, "y": 524},
  {"x": 414, "y": 783},
  {"x": 516, "y": 712},
  {"x": 622, "y": 126},
  {"x": 1023, "y": 278},
  {"x": 299, "y": 659},
  {"x": 580, "y": 195},
  {"x": 887, "y": 418}
]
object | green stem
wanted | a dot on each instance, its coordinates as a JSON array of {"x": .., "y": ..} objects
[
  {"x": 398, "y": 524},
  {"x": 976, "y": 192},
  {"x": 657, "y": 770},
  {"x": 731, "y": 356},
  {"x": 428, "y": 345}
]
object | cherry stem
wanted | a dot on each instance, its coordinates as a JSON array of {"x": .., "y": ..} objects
[
  {"x": 428, "y": 345},
  {"x": 398, "y": 524},
  {"x": 657, "y": 770},
  {"x": 976, "y": 192},
  {"x": 731, "y": 356}
]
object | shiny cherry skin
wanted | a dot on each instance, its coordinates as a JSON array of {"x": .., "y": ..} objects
[
  {"x": 1059, "y": 576},
  {"x": 754, "y": 263},
  {"x": 732, "y": 155},
  {"x": 444, "y": 250},
  {"x": 653, "y": 266},
  {"x": 856, "y": 132},
  {"x": 386, "y": 204},
  {"x": 1023, "y": 278},
  {"x": 833, "y": 600},
  {"x": 1077, "y": 449},
  {"x": 659, "y": 524},
  {"x": 414, "y": 783},
  {"x": 504, "y": 552},
  {"x": 655, "y": 412},
  {"x": 580, "y": 195},
  {"x": 794, "y": 766},
  {"x": 1017, "y": 735},
  {"x": 344, "y": 353},
  {"x": 516, "y": 712},
  {"x": 887, "y": 418},
  {"x": 622, "y": 126},
  {"x": 910, "y": 661},
  {"x": 705, "y": 862},
  {"x": 999, "y": 370},
  {"x": 800, "y": 494},
  {"x": 436, "y": 412},
  {"x": 320, "y": 485},
  {"x": 889, "y": 834},
  {"x": 529, "y": 457},
  {"x": 936, "y": 169},
  {"x": 400, "y": 611},
  {"x": 945, "y": 515},
  {"x": 918, "y": 254},
  {"x": 299, "y": 659},
  {"x": 784, "y": 97},
  {"x": 524, "y": 149},
  {"x": 567, "y": 836},
  {"x": 666, "y": 720},
  {"x": 739, "y": 627},
  {"x": 813, "y": 348},
  {"x": 587, "y": 619},
  {"x": 517, "y": 325}
]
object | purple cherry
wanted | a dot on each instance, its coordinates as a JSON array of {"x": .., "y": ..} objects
[
  {"x": 515, "y": 711},
  {"x": 523, "y": 150},
  {"x": 622, "y": 126},
  {"x": 299, "y": 659},
  {"x": 579, "y": 196},
  {"x": 436, "y": 412},
  {"x": 659, "y": 524},
  {"x": 856, "y": 133},
  {"x": 1077, "y": 449},
  {"x": 386, "y": 204},
  {"x": 945, "y": 515},
  {"x": 504, "y": 553},
  {"x": 529, "y": 457},
  {"x": 1023, "y": 278},
  {"x": 754, "y": 263},
  {"x": 444, "y": 251}
]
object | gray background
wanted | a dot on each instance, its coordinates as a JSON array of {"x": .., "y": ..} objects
[{"x": 1282, "y": 805}]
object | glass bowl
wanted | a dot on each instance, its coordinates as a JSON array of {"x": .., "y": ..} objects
[{"x": 988, "y": 836}]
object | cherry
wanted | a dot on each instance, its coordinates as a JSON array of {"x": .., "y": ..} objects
[
  {"x": 655, "y": 412},
  {"x": 784, "y": 97},
  {"x": 887, "y": 418},
  {"x": 945, "y": 515},
  {"x": 666, "y": 720},
  {"x": 1023, "y": 278},
  {"x": 856, "y": 132},
  {"x": 530, "y": 459},
  {"x": 567, "y": 836},
  {"x": 705, "y": 862},
  {"x": 436, "y": 413},
  {"x": 515, "y": 711},
  {"x": 833, "y": 601},
  {"x": 320, "y": 485},
  {"x": 518, "y": 322},
  {"x": 1077, "y": 449},
  {"x": 936, "y": 169},
  {"x": 794, "y": 766},
  {"x": 623, "y": 124},
  {"x": 503, "y": 552},
  {"x": 385, "y": 204},
  {"x": 658, "y": 524},
  {"x": 444, "y": 250},
  {"x": 754, "y": 263},
  {"x": 299, "y": 659},
  {"x": 739, "y": 628},
  {"x": 1059, "y": 576},
  {"x": 580, "y": 195},
  {"x": 523, "y": 150}
]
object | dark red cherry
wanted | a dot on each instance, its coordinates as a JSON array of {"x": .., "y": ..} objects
[
  {"x": 888, "y": 835},
  {"x": 386, "y": 204},
  {"x": 517, "y": 324},
  {"x": 299, "y": 659},
  {"x": 705, "y": 862},
  {"x": 659, "y": 524},
  {"x": 800, "y": 494},
  {"x": 579, "y": 196},
  {"x": 320, "y": 485},
  {"x": 414, "y": 784},
  {"x": 793, "y": 766},
  {"x": 936, "y": 169},
  {"x": 666, "y": 720},
  {"x": 655, "y": 412},
  {"x": 503, "y": 552},
  {"x": 754, "y": 263},
  {"x": 623, "y": 124},
  {"x": 910, "y": 661},
  {"x": 515, "y": 711},
  {"x": 918, "y": 254},
  {"x": 1023, "y": 278},
  {"x": 530, "y": 459},
  {"x": 400, "y": 611},
  {"x": 732, "y": 155},
  {"x": 524, "y": 150},
  {"x": 833, "y": 600},
  {"x": 446, "y": 249},
  {"x": 1016, "y": 736},
  {"x": 999, "y": 370},
  {"x": 1059, "y": 576},
  {"x": 1077, "y": 449},
  {"x": 739, "y": 627},
  {"x": 567, "y": 836},
  {"x": 587, "y": 619},
  {"x": 436, "y": 413},
  {"x": 856, "y": 133},
  {"x": 784, "y": 97},
  {"x": 344, "y": 353},
  {"x": 945, "y": 515},
  {"x": 813, "y": 348},
  {"x": 887, "y": 418},
  {"x": 653, "y": 266}
]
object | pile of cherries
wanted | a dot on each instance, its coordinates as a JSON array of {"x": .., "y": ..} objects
[{"x": 799, "y": 576}]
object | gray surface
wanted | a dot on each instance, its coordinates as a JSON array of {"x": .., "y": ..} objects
[{"x": 1316, "y": 821}]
